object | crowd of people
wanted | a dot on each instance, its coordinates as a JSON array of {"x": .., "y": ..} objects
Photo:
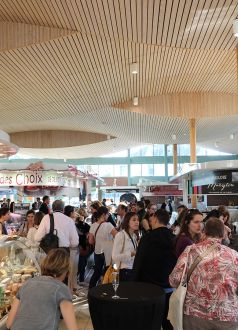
[{"x": 141, "y": 243}]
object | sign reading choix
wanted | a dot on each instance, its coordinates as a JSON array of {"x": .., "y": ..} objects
[{"x": 38, "y": 178}]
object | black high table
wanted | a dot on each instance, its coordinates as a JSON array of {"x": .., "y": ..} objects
[{"x": 140, "y": 306}]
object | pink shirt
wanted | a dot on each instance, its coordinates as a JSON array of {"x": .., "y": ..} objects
[{"x": 213, "y": 286}]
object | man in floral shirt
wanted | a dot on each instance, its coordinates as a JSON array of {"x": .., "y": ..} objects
[{"x": 212, "y": 296}]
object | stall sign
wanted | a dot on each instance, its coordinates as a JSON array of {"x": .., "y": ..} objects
[
  {"x": 220, "y": 188},
  {"x": 163, "y": 190},
  {"x": 38, "y": 178}
]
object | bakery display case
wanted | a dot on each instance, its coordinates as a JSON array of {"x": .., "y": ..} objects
[{"x": 18, "y": 263}]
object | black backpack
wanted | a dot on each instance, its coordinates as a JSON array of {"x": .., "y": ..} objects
[{"x": 50, "y": 240}]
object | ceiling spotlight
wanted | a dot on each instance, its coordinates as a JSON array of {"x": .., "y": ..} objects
[
  {"x": 216, "y": 144},
  {"x": 232, "y": 136},
  {"x": 174, "y": 137},
  {"x": 135, "y": 100},
  {"x": 135, "y": 68},
  {"x": 235, "y": 28}
]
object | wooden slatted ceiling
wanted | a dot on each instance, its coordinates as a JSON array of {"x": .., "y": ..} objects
[
  {"x": 178, "y": 23},
  {"x": 82, "y": 73}
]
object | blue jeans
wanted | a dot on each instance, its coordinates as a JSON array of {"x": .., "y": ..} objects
[{"x": 99, "y": 261}]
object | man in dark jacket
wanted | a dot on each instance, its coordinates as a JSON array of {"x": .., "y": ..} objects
[
  {"x": 45, "y": 205},
  {"x": 155, "y": 257}
]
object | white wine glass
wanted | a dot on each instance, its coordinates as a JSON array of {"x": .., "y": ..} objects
[{"x": 115, "y": 284}]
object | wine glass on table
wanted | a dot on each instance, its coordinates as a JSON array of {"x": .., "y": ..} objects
[{"x": 115, "y": 284}]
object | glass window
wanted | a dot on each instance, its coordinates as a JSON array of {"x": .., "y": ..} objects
[
  {"x": 106, "y": 170},
  {"x": 170, "y": 150},
  {"x": 159, "y": 170},
  {"x": 170, "y": 169},
  {"x": 147, "y": 169},
  {"x": 147, "y": 150},
  {"x": 184, "y": 150},
  {"x": 123, "y": 153},
  {"x": 136, "y": 170},
  {"x": 120, "y": 170},
  {"x": 158, "y": 150},
  {"x": 135, "y": 152},
  {"x": 94, "y": 169}
]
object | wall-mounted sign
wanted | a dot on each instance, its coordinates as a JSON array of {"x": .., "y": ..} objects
[
  {"x": 163, "y": 190},
  {"x": 38, "y": 178},
  {"x": 220, "y": 188}
]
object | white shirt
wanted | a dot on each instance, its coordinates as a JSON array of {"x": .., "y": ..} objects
[
  {"x": 31, "y": 237},
  {"x": 103, "y": 235},
  {"x": 124, "y": 257},
  {"x": 65, "y": 226}
]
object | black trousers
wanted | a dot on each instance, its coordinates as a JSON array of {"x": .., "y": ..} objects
[
  {"x": 166, "y": 325},
  {"x": 125, "y": 275},
  {"x": 99, "y": 261}
]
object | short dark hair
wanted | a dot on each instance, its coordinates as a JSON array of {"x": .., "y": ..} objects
[
  {"x": 4, "y": 211},
  {"x": 68, "y": 209},
  {"x": 141, "y": 204},
  {"x": 162, "y": 216},
  {"x": 127, "y": 218},
  {"x": 45, "y": 198},
  {"x": 214, "y": 228}
]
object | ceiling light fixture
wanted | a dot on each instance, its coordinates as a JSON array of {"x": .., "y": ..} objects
[
  {"x": 135, "y": 100},
  {"x": 216, "y": 144},
  {"x": 174, "y": 137},
  {"x": 135, "y": 68},
  {"x": 235, "y": 28},
  {"x": 232, "y": 136}
]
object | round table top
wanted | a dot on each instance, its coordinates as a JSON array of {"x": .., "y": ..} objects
[{"x": 128, "y": 291}]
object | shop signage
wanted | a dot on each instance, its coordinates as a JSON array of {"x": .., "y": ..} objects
[
  {"x": 163, "y": 190},
  {"x": 38, "y": 178},
  {"x": 220, "y": 188}
]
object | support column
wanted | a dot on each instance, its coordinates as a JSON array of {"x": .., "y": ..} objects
[
  {"x": 193, "y": 154},
  {"x": 175, "y": 158},
  {"x": 166, "y": 162}
]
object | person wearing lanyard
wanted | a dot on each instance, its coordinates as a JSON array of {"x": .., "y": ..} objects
[
  {"x": 155, "y": 258},
  {"x": 125, "y": 246},
  {"x": 4, "y": 216}
]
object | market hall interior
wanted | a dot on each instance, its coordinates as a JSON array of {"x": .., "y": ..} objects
[{"x": 86, "y": 79}]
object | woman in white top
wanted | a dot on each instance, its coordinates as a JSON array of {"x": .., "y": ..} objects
[
  {"x": 99, "y": 235},
  {"x": 125, "y": 245},
  {"x": 32, "y": 231}
]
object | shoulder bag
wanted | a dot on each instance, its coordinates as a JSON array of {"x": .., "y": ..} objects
[
  {"x": 108, "y": 277},
  {"x": 51, "y": 240},
  {"x": 176, "y": 301}
]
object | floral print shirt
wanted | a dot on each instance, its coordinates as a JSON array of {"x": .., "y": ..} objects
[{"x": 212, "y": 292}]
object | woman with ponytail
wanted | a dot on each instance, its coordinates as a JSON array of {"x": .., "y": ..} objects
[{"x": 101, "y": 232}]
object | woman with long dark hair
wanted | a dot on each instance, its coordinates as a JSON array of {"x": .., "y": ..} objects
[
  {"x": 191, "y": 230},
  {"x": 125, "y": 245},
  {"x": 99, "y": 235}
]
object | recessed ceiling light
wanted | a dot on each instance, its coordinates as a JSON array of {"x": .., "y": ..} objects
[
  {"x": 135, "y": 100},
  {"x": 232, "y": 136},
  {"x": 174, "y": 137},
  {"x": 235, "y": 28},
  {"x": 135, "y": 68}
]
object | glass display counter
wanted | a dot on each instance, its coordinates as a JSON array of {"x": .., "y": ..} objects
[{"x": 18, "y": 263}]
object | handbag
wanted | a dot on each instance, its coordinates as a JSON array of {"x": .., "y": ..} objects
[
  {"x": 51, "y": 240},
  {"x": 176, "y": 301},
  {"x": 108, "y": 277}
]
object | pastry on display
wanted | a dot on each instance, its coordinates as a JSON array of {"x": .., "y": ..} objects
[{"x": 18, "y": 263}]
